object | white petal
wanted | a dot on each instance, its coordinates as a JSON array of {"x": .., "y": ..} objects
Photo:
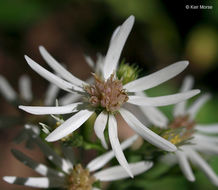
[
  {"x": 6, "y": 90},
  {"x": 90, "y": 62},
  {"x": 117, "y": 172},
  {"x": 51, "y": 77},
  {"x": 102, "y": 160},
  {"x": 39, "y": 168},
  {"x": 116, "y": 46},
  {"x": 61, "y": 163},
  {"x": 69, "y": 125},
  {"x": 59, "y": 69},
  {"x": 187, "y": 84},
  {"x": 99, "y": 127},
  {"x": 115, "y": 144},
  {"x": 99, "y": 64},
  {"x": 210, "y": 128},
  {"x": 25, "y": 88},
  {"x": 66, "y": 165},
  {"x": 69, "y": 98},
  {"x": 32, "y": 128},
  {"x": 155, "y": 116},
  {"x": 185, "y": 166},
  {"x": 137, "y": 111},
  {"x": 42, "y": 110},
  {"x": 212, "y": 139},
  {"x": 170, "y": 159},
  {"x": 146, "y": 133},
  {"x": 197, "y": 160},
  {"x": 94, "y": 188},
  {"x": 51, "y": 94},
  {"x": 49, "y": 153},
  {"x": 194, "y": 108},
  {"x": 205, "y": 147},
  {"x": 37, "y": 182},
  {"x": 156, "y": 78},
  {"x": 114, "y": 34},
  {"x": 162, "y": 100}
]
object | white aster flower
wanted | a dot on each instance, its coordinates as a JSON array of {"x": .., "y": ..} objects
[
  {"x": 107, "y": 96},
  {"x": 200, "y": 138},
  {"x": 70, "y": 176}
]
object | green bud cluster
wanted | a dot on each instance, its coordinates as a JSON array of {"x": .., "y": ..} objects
[{"x": 127, "y": 73}]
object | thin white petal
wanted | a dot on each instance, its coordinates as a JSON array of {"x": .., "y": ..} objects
[
  {"x": 25, "y": 88},
  {"x": 69, "y": 125},
  {"x": 99, "y": 64},
  {"x": 59, "y": 69},
  {"x": 195, "y": 107},
  {"x": 32, "y": 128},
  {"x": 99, "y": 127},
  {"x": 146, "y": 133},
  {"x": 210, "y": 128},
  {"x": 6, "y": 90},
  {"x": 47, "y": 151},
  {"x": 137, "y": 111},
  {"x": 117, "y": 172},
  {"x": 39, "y": 168},
  {"x": 115, "y": 32},
  {"x": 61, "y": 163},
  {"x": 51, "y": 94},
  {"x": 116, "y": 46},
  {"x": 187, "y": 84},
  {"x": 66, "y": 166},
  {"x": 37, "y": 182},
  {"x": 102, "y": 160},
  {"x": 162, "y": 100},
  {"x": 155, "y": 116},
  {"x": 205, "y": 146},
  {"x": 156, "y": 78},
  {"x": 212, "y": 139},
  {"x": 69, "y": 98},
  {"x": 94, "y": 188},
  {"x": 42, "y": 110},
  {"x": 90, "y": 62},
  {"x": 185, "y": 166},
  {"x": 51, "y": 77},
  {"x": 115, "y": 144},
  {"x": 170, "y": 159},
  {"x": 197, "y": 160}
]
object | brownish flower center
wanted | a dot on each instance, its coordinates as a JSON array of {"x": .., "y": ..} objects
[
  {"x": 182, "y": 129},
  {"x": 80, "y": 179},
  {"x": 182, "y": 121},
  {"x": 109, "y": 94}
]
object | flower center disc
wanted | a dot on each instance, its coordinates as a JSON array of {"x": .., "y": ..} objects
[
  {"x": 182, "y": 121},
  {"x": 80, "y": 179},
  {"x": 181, "y": 129},
  {"x": 108, "y": 94}
]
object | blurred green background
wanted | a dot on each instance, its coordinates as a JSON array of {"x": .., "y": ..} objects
[{"x": 164, "y": 32}]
